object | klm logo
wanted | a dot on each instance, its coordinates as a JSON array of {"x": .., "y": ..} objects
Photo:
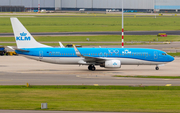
[
  {"x": 114, "y": 64},
  {"x": 23, "y": 37}
]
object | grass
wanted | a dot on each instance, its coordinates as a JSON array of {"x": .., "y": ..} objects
[
  {"x": 174, "y": 54},
  {"x": 92, "y": 98},
  {"x": 95, "y": 23},
  {"x": 100, "y": 38},
  {"x": 104, "y": 39},
  {"x": 162, "y": 77}
]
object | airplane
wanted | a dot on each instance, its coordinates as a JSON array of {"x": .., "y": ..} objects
[{"x": 28, "y": 47}]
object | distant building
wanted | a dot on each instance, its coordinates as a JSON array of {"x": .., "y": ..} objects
[{"x": 90, "y": 5}]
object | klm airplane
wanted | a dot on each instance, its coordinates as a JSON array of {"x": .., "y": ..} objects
[{"x": 103, "y": 57}]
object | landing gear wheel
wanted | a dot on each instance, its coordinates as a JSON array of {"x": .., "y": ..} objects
[
  {"x": 92, "y": 67},
  {"x": 157, "y": 68}
]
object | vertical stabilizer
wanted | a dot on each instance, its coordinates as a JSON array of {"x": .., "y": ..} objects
[{"x": 23, "y": 37}]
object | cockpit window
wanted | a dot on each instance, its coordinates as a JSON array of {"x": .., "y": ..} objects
[{"x": 164, "y": 53}]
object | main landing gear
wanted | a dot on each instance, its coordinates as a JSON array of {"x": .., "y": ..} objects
[
  {"x": 157, "y": 68},
  {"x": 92, "y": 67}
]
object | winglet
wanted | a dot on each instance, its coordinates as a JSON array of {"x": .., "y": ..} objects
[
  {"x": 77, "y": 51},
  {"x": 61, "y": 45}
]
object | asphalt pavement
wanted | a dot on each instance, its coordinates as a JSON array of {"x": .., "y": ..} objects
[{"x": 98, "y": 33}]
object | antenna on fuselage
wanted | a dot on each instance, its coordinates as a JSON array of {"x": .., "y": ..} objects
[{"x": 122, "y": 26}]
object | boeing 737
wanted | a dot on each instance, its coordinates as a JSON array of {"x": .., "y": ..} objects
[{"x": 103, "y": 57}]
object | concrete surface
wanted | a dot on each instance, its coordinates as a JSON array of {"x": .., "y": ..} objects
[{"x": 17, "y": 70}]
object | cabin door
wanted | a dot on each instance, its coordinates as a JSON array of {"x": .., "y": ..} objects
[{"x": 155, "y": 55}]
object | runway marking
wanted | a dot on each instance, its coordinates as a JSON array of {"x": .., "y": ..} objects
[
  {"x": 168, "y": 84},
  {"x": 95, "y": 84}
]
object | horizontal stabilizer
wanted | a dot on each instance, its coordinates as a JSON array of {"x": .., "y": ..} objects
[{"x": 21, "y": 50}]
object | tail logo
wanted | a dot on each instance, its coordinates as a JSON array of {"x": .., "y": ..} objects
[{"x": 23, "y": 37}]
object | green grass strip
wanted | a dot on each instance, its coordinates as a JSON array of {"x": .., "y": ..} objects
[
  {"x": 88, "y": 98},
  {"x": 101, "y": 38},
  {"x": 174, "y": 54},
  {"x": 91, "y": 23},
  {"x": 93, "y": 87},
  {"x": 163, "y": 77}
]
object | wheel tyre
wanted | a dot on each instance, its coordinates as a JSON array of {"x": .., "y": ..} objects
[
  {"x": 93, "y": 68},
  {"x": 90, "y": 67},
  {"x": 157, "y": 68}
]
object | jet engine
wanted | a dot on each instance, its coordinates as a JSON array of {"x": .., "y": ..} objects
[{"x": 111, "y": 64}]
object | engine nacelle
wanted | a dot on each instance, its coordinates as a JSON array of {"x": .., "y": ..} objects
[{"x": 112, "y": 64}]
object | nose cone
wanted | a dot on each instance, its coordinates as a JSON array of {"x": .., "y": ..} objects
[{"x": 170, "y": 58}]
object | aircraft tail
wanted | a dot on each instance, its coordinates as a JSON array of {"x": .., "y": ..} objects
[{"x": 23, "y": 37}]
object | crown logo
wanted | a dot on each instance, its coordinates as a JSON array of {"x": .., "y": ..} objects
[
  {"x": 23, "y": 34},
  {"x": 114, "y": 63},
  {"x": 126, "y": 51}
]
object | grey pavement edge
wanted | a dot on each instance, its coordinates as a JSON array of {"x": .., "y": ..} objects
[{"x": 99, "y": 33}]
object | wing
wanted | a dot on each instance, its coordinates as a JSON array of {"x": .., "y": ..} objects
[{"x": 89, "y": 59}]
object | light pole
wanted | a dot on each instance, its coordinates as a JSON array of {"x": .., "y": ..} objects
[
  {"x": 38, "y": 6},
  {"x": 122, "y": 26},
  {"x": 92, "y": 5},
  {"x": 30, "y": 4}
]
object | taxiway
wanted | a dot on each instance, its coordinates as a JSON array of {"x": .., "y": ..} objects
[{"x": 17, "y": 70}]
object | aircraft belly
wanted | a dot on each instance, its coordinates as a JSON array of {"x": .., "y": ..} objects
[
  {"x": 127, "y": 61},
  {"x": 69, "y": 60}
]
